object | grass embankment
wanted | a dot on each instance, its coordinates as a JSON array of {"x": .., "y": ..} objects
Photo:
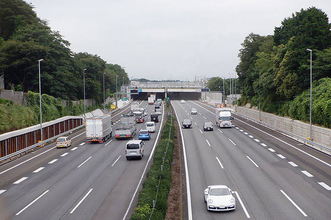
[
  {"x": 156, "y": 186},
  {"x": 13, "y": 116}
]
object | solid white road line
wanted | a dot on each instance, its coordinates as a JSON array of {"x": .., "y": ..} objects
[
  {"x": 296, "y": 206},
  {"x": 327, "y": 187},
  {"x": 65, "y": 154},
  {"x": 252, "y": 161},
  {"x": 84, "y": 162},
  {"x": 242, "y": 205},
  {"x": 307, "y": 173},
  {"x": 39, "y": 169},
  {"x": 219, "y": 162},
  {"x": 108, "y": 142},
  {"x": 75, "y": 148},
  {"x": 208, "y": 143},
  {"x": 293, "y": 164},
  {"x": 232, "y": 142},
  {"x": 32, "y": 202},
  {"x": 53, "y": 161},
  {"x": 2, "y": 191},
  {"x": 20, "y": 180},
  {"x": 302, "y": 151},
  {"x": 72, "y": 211},
  {"x": 116, "y": 161},
  {"x": 26, "y": 160},
  {"x": 281, "y": 156},
  {"x": 272, "y": 150}
]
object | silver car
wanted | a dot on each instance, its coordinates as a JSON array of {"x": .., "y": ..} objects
[
  {"x": 134, "y": 149},
  {"x": 150, "y": 126},
  {"x": 63, "y": 142},
  {"x": 219, "y": 198}
]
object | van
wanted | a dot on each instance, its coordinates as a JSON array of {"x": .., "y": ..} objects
[
  {"x": 63, "y": 142},
  {"x": 134, "y": 149}
]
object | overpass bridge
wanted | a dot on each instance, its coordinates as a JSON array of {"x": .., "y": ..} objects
[{"x": 173, "y": 90}]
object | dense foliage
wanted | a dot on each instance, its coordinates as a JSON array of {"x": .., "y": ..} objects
[
  {"x": 25, "y": 39},
  {"x": 275, "y": 70}
]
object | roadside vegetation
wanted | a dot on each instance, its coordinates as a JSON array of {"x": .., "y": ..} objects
[
  {"x": 153, "y": 198},
  {"x": 274, "y": 70}
]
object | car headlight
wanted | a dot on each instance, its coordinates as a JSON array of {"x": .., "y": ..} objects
[
  {"x": 210, "y": 201},
  {"x": 232, "y": 200}
]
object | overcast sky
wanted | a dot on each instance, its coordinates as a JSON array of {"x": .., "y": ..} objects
[{"x": 167, "y": 39}]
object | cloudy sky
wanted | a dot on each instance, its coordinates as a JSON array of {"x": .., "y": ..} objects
[{"x": 168, "y": 39}]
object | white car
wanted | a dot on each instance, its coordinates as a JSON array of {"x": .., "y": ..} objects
[
  {"x": 183, "y": 101},
  {"x": 63, "y": 142},
  {"x": 219, "y": 198},
  {"x": 134, "y": 149},
  {"x": 194, "y": 111},
  {"x": 150, "y": 126}
]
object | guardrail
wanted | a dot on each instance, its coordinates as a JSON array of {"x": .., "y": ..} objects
[
  {"x": 38, "y": 144},
  {"x": 294, "y": 136}
]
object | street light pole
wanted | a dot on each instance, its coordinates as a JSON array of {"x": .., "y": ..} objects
[
  {"x": 259, "y": 97},
  {"x": 311, "y": 88},
  {"x": 103, "y": 81},
  {"x": 84, "y": 94},
  {"x": 41, "y": 112},
  {"x": 223, "y": 93},
  {"x": 116, "y": 92}
]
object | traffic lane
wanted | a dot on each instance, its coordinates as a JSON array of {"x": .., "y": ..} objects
[
  {"x": 299, "y": 185},
  {"x": 18, "y": 167},
  {"x": 201, "y": 161},
  {"x": 308, "y": 159},
  {"x": 67, "y": 174},
  {"x": 259, "y": 182}
]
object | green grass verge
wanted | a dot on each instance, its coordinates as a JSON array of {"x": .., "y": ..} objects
[{"x": 151, "y": 184}]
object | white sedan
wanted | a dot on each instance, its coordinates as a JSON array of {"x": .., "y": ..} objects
[{"x": 219, "y": 198}]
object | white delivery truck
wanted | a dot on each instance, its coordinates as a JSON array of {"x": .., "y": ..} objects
[
  {"x": 98, "y": 128},
  {"x": 134, "y": 105},
  {"x": 128, "y": 118},
  {"x": 150, "y": 100},
  {"x": 223, "y": 118}
]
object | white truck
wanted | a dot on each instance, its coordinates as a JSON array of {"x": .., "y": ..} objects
[
  {"x": 223, "y": 118},
  {"x": 134, "y": 105},
  {"x": 98, "y": 128},
  {"x": 150, "y": 100},
  {"x": 128, "y": 119}
]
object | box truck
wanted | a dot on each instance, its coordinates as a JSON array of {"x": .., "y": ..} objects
[
  {"x": 98, "y": 128},
  {"x": 223, "y": 118}
]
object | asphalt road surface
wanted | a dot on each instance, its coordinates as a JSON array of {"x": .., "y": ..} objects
[
  {"x": 85, "y": 181},
  {"x": 273, "y": 176}
]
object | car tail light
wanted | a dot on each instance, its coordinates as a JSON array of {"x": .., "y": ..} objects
[
  {"x": 126, "y": 152},
  {"x": 117, "y": 135},
  {"x": 127, "y": 135},
  {"x": 140, "y": 151}
]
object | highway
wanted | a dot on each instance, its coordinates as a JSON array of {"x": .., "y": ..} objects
[
  {"x": 272, "y": 176},
  {"x": 85, "y": 181}
]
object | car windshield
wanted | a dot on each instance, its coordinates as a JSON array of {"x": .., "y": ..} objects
[
  {"x": 132, "y": 146},
  {"x": 61, "y": 139},
  {"x": 219, "y": 192},
  {"x": 225, "y": 118},
  {"x": 150, "y": 125}
]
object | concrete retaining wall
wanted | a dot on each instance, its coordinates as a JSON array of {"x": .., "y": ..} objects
[{"x": 320, "y": 135}]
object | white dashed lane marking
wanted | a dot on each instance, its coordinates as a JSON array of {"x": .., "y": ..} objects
[
  {"x": 272, "y": 150},
  {"x": 2, "y": 191},
  {"x": 327, "y": 187},
  {"x": 20, "y": 180},
  {"x": 53, "y": 161},
  {"x": 39, "y": 169},
  {"x": 307, "y": 173},
  {"x": 281, "y": 156},
  {"x": 293, "y": 164}
]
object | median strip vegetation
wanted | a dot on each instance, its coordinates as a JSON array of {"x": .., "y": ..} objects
[{"x": 153, "y": 198}]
